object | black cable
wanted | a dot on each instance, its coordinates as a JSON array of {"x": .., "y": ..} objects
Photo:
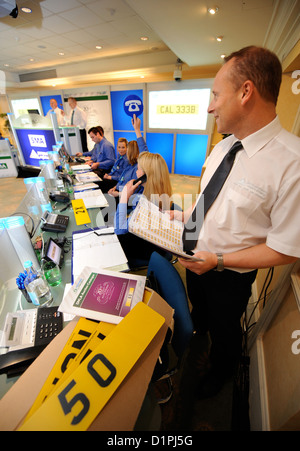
[
  {"x": 246, "y": 326},
  {"x": 240, "y": 406},
  {"x": 264, "y": 289},
  {"x": 32, "y": 222}
]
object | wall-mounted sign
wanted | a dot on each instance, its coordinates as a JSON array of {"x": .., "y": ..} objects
[{"x": 133, "y": 105}]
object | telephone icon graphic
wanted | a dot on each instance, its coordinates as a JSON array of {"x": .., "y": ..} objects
[{"x": 133, "y": 105}]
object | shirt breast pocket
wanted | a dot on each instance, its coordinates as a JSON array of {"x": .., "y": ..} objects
[{"x": 236, "y": 210}]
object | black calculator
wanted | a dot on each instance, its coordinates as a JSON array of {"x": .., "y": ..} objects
[
  {"x": 27, "y": 333},
  {"x": 51, "y": 222},
  {"x": 48, "y": 324}
]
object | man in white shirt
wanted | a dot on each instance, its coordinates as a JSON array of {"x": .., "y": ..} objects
[
  {"x": 78, "y": 118},
  {"x": 254, "y": 221},
  {"x": 59, "y": 113}
]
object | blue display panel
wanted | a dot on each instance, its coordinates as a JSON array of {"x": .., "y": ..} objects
[
  {"x": 190, "y": 154},
  {"x": 161, "y": 143},
  {"x": 35, "y": 144},
  {"x": 121, "y": 121}
]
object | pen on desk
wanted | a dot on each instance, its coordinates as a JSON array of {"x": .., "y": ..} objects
[
  {"x": 67, "y": 206},
  {"x": 99, "y": 234}
]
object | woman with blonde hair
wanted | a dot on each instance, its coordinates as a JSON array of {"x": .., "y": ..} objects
[{"x": 157, "y": 189}]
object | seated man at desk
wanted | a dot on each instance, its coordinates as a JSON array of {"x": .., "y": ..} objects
[{"x": 103, "y": 153}]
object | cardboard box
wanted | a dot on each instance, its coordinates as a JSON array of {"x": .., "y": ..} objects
[{"x": 122, "y": 410}]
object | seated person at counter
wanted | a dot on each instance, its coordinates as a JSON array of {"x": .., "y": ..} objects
[
  {"x": 110, "y": 180},
  {"x": 129, "y": 172},
  {"x": 103, "y": 153},
  {"x": 122, "y": 163},
  {"x": 142, "y": 147},
  {"x": 158, "y": 183}
]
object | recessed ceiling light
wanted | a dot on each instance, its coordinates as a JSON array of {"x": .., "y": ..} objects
[
  {"x": 26, "y": 10},
  {"x": 61, "y": 53},
  {"x": 31, "y": 59},
  {"x": 213, "y": 10},
  {"x": 219, "y": 38},
  {"x": 98, "y": 47},
  {"x": 6, "y": 65},
  {"x": 223, "y": 56},
  {"x": 144, "y": 38}
]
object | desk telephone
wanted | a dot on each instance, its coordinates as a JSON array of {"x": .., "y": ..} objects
[
  {"x": 26, "y": 334},
  {"x": 59, "y": 196},
  {"x": 52, "y": 222}
]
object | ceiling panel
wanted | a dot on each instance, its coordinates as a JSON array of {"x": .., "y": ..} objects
[
  {"x": 182, "y": 30},
  {"x": 110, "y": 10},
  {"x": 104, "y": 31},
  {"x": 80, "y": 36},
  {"x": 82, "y": 17},
  {"x": 190, "y": 31},
  {"x": 58, "y": 6},
  {"x": 57, "y": 24}
]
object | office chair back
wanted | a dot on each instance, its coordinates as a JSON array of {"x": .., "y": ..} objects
[{"x": 171, "y": 288}]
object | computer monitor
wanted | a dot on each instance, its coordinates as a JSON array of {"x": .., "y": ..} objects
[
  {"x": 34, "y": 111},
  {"x": 35, "y": 144}
]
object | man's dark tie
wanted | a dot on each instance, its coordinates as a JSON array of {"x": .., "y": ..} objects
[
  {"x": 193, "y": 226},
  {"x": 72, "y": 117}
]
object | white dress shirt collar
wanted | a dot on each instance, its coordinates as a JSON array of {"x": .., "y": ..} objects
[{"x": 253, "y": 143}]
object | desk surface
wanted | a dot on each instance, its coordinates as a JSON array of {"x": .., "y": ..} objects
[
  {"x": 12, "y": 300},
  {"x": 96, "y": 221}
]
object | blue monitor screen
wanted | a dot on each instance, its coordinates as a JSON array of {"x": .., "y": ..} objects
[
  {"x": 190, "y": 154},
  {"x": 35, "y": 144}
]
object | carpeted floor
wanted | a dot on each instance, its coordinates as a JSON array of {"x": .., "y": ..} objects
[{"x": 184, "y": 412}]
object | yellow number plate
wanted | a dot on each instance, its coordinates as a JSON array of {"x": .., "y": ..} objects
[
  {"x": 83, "y": 340},
  {"x": 74, "y": 405},
  {"x": 80, "y": 212}
]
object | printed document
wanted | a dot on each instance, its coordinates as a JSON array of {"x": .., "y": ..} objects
[
  {"x": 92, "y": 199},
  {"x": 103, "y": 295},
  {"x": 151, "y": 224},
  {"x": 103, "y": 251}
]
